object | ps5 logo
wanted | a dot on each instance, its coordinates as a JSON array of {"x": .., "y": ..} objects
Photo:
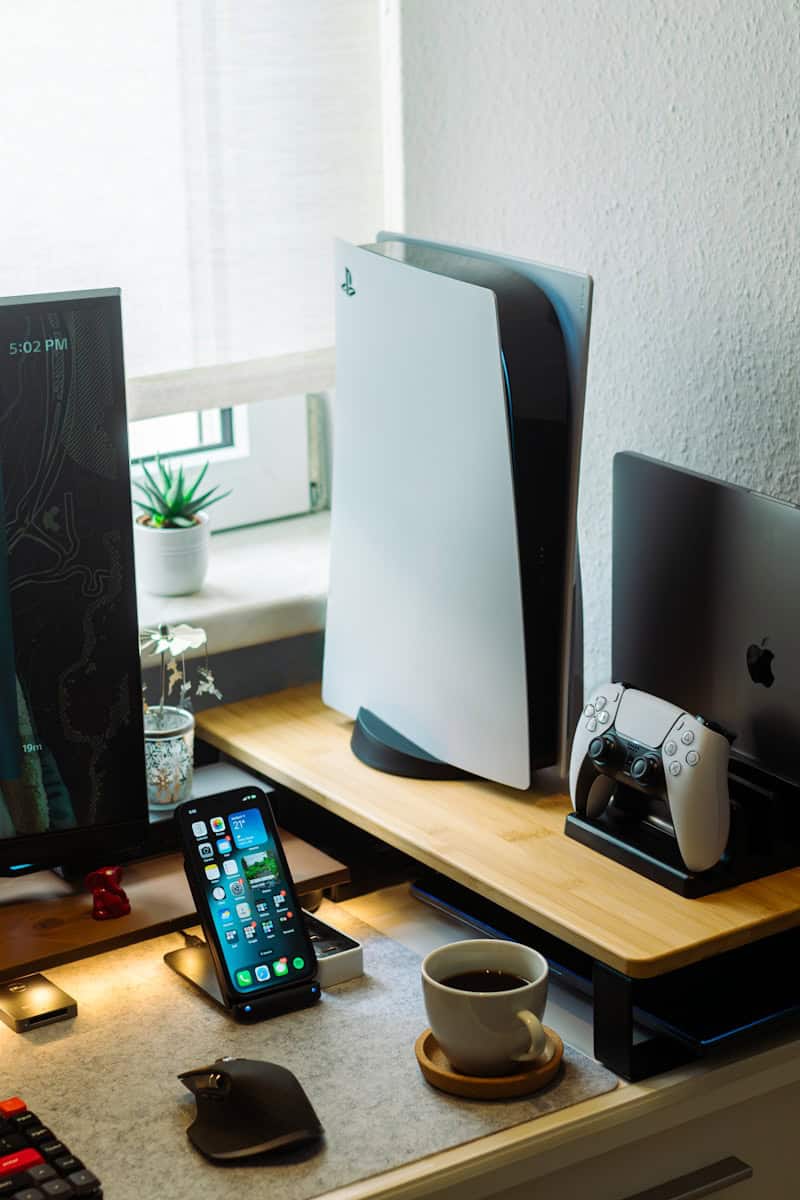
[{"x": 347, "y": 286}]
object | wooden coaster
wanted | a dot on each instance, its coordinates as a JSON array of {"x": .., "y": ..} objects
[{"x": 530, "y": 1077}]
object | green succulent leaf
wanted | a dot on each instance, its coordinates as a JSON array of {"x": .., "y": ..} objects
[
  {"x": 160, "y": 504},
  {"x": 172, "y": 495},
  {"x": 207, "y": 500},
  {"x": 166, "y": 475},
  {"x": 201, "y": 500},
  {"x": 148, "y": 490},
  {"x": 196, "y": 483},
  {"x": 152, "y": 483},
  {"x": 151, "y": 512}
]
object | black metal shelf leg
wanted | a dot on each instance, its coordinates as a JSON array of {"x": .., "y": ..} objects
[{"x": 614, "y": 1042}]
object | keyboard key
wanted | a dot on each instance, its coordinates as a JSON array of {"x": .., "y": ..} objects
[
  {"x": 41, "y": 1172},
  {"x": 13, "y": 1184},
  {"x": 84, "y": 1182},
  {"x": 12, "y": 1107},
  {"x": 67, "y": 1163},
  {"x": 28, "y": 1194},
  {"x": 24, "y": 1119},
  {"x": 12, "y": 1141},
  {"x": 40, "y": 1133},
  {"x": 52, "y": 1149},
  {"x": 19, "y": 1161},
  {"x": 57, "y": 1187}
]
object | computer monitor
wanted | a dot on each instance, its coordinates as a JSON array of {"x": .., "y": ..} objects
[
  {"x": 453, "y": 629},
  {"x": 72, "y": 779}
]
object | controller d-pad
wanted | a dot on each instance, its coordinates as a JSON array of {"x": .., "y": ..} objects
[
  {"x": 591, "y": 724},
  {"x": 602, "y": 717},
  {"x": 589, "y": 710},
  {"x": 600, "y": 703}
]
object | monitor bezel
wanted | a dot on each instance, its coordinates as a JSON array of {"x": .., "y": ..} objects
[
  {"x": 77, "y": 850},
  {"x": 82, "y": 847}
]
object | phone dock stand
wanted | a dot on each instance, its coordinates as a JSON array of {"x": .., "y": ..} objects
[
  {"x": 339, "y": 958},
  {"x": 194, "y": 962}
]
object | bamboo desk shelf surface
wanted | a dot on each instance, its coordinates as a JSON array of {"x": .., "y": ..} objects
[{"x": 507, "y": 845}]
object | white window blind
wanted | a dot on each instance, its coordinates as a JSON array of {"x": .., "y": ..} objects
[{"x": 201, "y": 155}]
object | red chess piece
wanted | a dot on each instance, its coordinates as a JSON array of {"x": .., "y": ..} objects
[{"x": 109, "y": 898}]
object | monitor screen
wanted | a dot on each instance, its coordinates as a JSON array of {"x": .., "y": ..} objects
[{"x": 71, "y": 740}]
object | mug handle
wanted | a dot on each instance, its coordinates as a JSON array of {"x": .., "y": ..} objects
[{"x": 535, "y": 1032}]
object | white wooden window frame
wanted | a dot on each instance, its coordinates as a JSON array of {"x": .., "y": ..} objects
[{"x": 267, "y": 468}]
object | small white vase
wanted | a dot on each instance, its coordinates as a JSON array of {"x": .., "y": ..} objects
[{"x": 171, "y": 562}]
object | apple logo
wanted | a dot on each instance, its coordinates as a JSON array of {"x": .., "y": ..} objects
[{"x": 759, "y": 664}]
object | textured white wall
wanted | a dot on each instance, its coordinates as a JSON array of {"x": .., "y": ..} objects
[{"x": 654, "y": 145}]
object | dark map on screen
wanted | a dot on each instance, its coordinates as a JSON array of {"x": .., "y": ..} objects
[{"x": 69, "y": 681}]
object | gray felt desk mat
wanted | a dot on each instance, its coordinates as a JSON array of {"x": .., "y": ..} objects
[{"x": 106, "y": 1082}]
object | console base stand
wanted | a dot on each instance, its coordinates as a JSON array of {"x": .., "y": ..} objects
[{"x": 382, "y": 747}]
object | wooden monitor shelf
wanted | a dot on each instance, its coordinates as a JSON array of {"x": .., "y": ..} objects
[
  {"x": 44, "y": 920},
  {"x": 509, "y": 846}
]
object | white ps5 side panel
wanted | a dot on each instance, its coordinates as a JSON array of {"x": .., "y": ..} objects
[
  {"x": 570, "y": 293},
  {"x": 425, "y": 622}
]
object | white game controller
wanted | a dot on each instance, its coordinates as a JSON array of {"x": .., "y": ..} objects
[{"x": 632, "y": 738}]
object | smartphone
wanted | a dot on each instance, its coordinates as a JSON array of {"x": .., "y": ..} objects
[{"x": 246, "y": 902}]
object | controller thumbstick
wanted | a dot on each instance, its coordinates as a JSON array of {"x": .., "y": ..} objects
[
  {"x": 601, "y": 749},
  {"x": 643, "y": 768},
  {"x": 717, "y": 728}
]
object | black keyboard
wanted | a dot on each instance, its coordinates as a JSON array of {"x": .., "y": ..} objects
[{"x": 34, "y": 1163}]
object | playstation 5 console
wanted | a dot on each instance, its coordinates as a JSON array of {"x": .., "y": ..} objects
[{"x": 453, "y": 627}]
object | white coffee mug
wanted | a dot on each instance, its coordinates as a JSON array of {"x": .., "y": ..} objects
[{"x": 486, "y": 1032}]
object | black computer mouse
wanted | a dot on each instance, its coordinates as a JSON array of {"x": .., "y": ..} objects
[{"x": 247, "y": 1107}]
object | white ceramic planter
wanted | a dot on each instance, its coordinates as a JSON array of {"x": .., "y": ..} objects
[{"x": 171, "y": 562}]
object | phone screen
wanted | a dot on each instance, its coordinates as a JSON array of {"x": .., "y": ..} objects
[{"x": 232, "y": 849}]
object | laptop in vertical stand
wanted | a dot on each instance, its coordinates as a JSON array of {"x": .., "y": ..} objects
[{"x": 706, "y": 606}]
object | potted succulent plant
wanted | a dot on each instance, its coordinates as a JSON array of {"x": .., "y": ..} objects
[
  {"x": 171, "y": 535},
  {"x": 169, "y": 728}
]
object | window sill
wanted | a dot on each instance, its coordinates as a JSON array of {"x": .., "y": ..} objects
[{"x": 264, "y": 583}]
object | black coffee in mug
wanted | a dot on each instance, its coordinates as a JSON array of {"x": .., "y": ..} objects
[{"x": 485, "y": 981}]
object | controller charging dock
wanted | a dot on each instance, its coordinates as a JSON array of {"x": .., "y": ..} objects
[{"x": 764, "y": 837}]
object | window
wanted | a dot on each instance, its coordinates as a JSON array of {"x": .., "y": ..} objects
[
  {"x": 201, "y": 155},
  {"x": 181, "y": 434}
]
